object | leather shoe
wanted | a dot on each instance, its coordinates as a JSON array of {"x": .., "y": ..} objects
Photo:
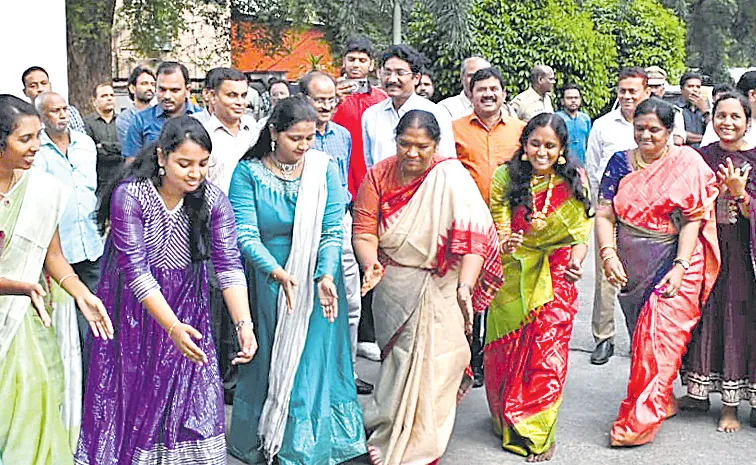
[
  {"x": 363, "y": 387},
  {"x": 602, "y": 352}
]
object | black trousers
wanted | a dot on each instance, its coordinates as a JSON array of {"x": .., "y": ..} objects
[
  {"x": 89, "y": 274},
  {"x": 366, "y": 328},
  {"x": 478, "y": 341},
  {"x": 224, "y": 335}
]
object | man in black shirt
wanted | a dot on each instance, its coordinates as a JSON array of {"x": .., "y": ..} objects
[{"x": 101, "y": 127}]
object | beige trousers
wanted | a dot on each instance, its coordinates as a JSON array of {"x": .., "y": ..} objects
[{"x": 604, "y": 297}]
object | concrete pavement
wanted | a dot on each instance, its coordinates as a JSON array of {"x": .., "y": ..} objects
[{"x": 591, "y": 400}]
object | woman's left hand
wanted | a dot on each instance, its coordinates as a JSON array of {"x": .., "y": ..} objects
[
  {"x": 735, "y": 179},
  {"x": 248, "y": 344},
  {"x": 329, "y": 298},
  {"x": 574, "y": 270},
  {"x": 671, "y": 282},
  {"x": 94, "y": 312},
  {"x": 464, "y": 299}
]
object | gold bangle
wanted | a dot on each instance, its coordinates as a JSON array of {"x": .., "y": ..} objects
[
  {"x": 64, "y": 278},
  {"x": 170, "y": 330},
  {"x": 605, "y": 259}
]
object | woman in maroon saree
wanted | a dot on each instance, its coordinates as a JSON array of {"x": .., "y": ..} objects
[
  {"x": 722, "y": 352},
  {"x": 665, "y": 260}
]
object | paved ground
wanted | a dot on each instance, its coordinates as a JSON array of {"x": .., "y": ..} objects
[{"x": 591, "y": 400}]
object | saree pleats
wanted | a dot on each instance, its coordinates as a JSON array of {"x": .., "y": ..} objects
[{"x": 527, "y": 369}]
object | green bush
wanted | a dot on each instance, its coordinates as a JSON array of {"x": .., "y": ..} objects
[{"x": 585, "y": 44}]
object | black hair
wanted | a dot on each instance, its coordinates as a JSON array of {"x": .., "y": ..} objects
[
  {"x": 404, "y": 53},
  {"x": 12, "y": 109},
  {"x": 288, "y": 112},
  {"x": 216, "y": 76},
  {"x": 656, "y": 106},
  {"x": 30, "y": 70},
  {"x": 304, "y": 83},
  {"x": 636, "y": 72},
  {"x": 134, "y": 76},
  {"x": 145, "y": 167},
  {"x": 721, "y": 89},
  {"x": 687, "y": 76},
  {"x": 274, "y": 80},
  {"x": 521, "y": 171},
  {"x": 735, "y": 96},
  {"x": 419, "y": 119},
  {"x": 171, "y": 67},
  {"x": 747, "y": 82},
  {"x": 487, "y": 73},
  {"x": 569, "y": 86},
  {"x": 359, "y": 44},
  {"x": 97, "y": 86}
]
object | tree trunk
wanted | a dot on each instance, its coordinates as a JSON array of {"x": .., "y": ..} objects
[
  {"x": 90, "y": 43},
  {"x": 397, "y": 29}
]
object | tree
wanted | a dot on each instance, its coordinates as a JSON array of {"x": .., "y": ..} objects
[{"x": 89, "y": 35}]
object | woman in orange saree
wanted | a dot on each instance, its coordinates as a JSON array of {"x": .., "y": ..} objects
[
  {"x": 541, "y": 208},
  {"x": 426, "y": 240},
  {"x": 665, "y": 260}
]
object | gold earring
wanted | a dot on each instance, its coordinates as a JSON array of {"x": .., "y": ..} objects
[
  {"x": 524, "y": 157},
  {"x": 161, "y": 171},
  {"x": 561, "y": 160}
]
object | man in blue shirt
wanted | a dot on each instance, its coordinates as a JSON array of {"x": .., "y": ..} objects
[
  {"x": 71, "y": 157},
  {"x": 173, "y": 90},
  {"x": 578, "y": 123},
  {"x": 336, "y": 141}
]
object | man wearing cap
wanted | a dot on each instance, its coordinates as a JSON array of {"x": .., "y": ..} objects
[{"x": 657, "y": 82}]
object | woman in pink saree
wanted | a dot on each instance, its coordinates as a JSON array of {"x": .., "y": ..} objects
[
  {"x": 427, "y": 243},
  {"x": 665, "y": 260}
]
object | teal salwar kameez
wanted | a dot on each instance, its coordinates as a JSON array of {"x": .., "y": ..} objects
[{"x": 324, "y": 424}]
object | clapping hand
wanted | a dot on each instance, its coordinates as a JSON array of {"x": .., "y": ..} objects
[{"x": 734, "y": 179}]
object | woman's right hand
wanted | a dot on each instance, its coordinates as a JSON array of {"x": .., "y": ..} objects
[
  {"x": 511, "y": 245},
  {"x": 615, "y": 272},
  {"x": 371, "y": 278},
  {"x": 182, "y": 336},
  {"x": 289, "y": 284},
  {"x": 36, "y": 294}
]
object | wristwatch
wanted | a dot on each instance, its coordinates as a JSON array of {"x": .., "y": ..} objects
[{"x": 685, "y": 264}]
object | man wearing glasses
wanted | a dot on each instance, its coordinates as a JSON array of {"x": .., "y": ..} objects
[
  {"x": 400, "y": 73},
  {"x": 335, "y": 140}
]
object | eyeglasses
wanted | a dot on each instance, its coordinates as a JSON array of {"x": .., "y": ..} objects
[
  {"x": 324, "y": 101},
  {"x": 385, "y": 72}
]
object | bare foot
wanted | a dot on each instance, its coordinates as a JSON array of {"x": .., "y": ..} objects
[
  {"x": 728, "y": 421},
  {"x": 545, "y": 457},
  {"x": 693, "y": 405}
]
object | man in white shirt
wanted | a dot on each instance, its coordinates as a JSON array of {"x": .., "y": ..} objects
[
  {"x": 400, "y": 73},
  {"x": 611, "y": 133},
  {"x": 460, "y": 105},
  {"x": 232, "y": 132}
]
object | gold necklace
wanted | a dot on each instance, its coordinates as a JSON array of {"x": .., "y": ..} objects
[
  {"x": 538, "y": 218},
  {"x": 640, "y": 163}
]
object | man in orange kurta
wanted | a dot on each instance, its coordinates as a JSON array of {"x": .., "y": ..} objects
[
  {"x": 484, "y": 140},
  {"x": 487, "y": 138}
]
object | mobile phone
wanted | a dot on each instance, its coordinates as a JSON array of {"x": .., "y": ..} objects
[{"x": 360, "y": 86}]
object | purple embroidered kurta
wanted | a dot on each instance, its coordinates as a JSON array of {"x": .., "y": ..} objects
[{"x": 144, "y": 402}]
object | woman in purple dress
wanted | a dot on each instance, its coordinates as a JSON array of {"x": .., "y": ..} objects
[
  {"x": 722, "y": 352},
  {"x": 154, "y": 393}
]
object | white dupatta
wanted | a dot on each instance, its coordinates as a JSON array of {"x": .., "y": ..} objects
[
  {"x": 24, "y": 255},
  {"x": 291, "y": 330}
]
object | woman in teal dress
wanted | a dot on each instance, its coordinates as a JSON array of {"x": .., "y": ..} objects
[{"x": 296, "y": 401}]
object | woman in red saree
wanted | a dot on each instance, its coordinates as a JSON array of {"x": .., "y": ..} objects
[
  {"x": 665, "y": 260},
  {"x": 541, "y": 208},
  {"x": 426, "y": 241}
]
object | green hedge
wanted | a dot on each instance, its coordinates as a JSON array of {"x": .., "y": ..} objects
[{"x": 585, "y": 44}]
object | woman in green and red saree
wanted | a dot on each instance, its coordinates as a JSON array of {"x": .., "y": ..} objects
[
  {"x": 541, "y": 207},
  {"x": 665, "y": 260},
  {"x": 426, "y": 241}
]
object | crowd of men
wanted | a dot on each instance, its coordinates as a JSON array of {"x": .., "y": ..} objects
[{"x": 356, "y": 120}]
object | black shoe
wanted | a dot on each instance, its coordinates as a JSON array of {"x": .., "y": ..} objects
[
  {"x": 753, "y": 417},
  {"x": 602, "y": 352},
  {"x": 479, "y": 378},
  {"x": 363, "y": 387}
]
